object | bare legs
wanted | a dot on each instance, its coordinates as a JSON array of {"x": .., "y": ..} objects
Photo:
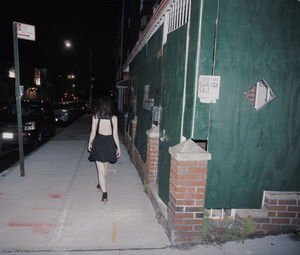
[{"x": 102, "y": 172}]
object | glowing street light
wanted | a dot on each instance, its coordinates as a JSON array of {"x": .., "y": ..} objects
[{"x": 68, "y": 44}]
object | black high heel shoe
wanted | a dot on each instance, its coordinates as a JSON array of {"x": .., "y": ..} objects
[
  {"x": 104, "y": 197},
  {"x": 99, "y": 187}
]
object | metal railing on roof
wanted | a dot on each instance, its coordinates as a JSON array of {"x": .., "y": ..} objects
[{"x": 179, "y": 11}]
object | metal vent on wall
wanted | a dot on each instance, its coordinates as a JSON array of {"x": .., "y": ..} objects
[{"x": 259, "y": 94}]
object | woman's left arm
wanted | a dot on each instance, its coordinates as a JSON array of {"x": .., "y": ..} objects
[
  {"x": 116, "y": 135},
  {"x": 92, "y": 134}
]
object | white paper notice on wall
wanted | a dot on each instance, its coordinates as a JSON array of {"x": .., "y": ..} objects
[{"x": 209, "y": 88}]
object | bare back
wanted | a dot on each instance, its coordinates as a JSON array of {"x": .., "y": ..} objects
[{"x": 105, "y": 127}]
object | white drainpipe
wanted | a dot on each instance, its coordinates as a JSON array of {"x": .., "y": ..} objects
[{"x": 197, "y": 67}]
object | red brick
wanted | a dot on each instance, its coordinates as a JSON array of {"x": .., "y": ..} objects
[
  {"x": 152, "y": 147},
  {"x": 194, "y": 196},
  {"x": 270, "y": 201},
  {"x": 183, "y": 227},
  {"x": 179, "y": 195},
  {"x": 152, "y": 168},
  {"x": 183, "y": 189},
  {"x": 271, "y": 227},
  {"x": 186, "y": 176},
  {"x": 280, "y": 220},
  {"x": 275, "y": 207},
  {"x": 286, "y": 214},
  {"x": 262, "y": 220},
  {"x": 178, "y": 189},
  {"x": 203, "y": 163},
  {"x": 271, "y": 214},
  {"x": 294, "y": 208},
  {"x": 152, "y": 160},
  {"x": 184, "y": 215},
  {"x": 199, "y": 202},
  {"x": 185, "y": 202},
  {"x": 178, "y": 222},
  {"x": 194, "y": 209},
  {"x": 197, "y": 170},
  {"x": 152, "y": 155},
  {"x": 295, "y": 221},
  {"x": 152, "y": 164},
  {"x": 179, "y": 183},
  {"x": 201, "y": 190},
  {"x": 196, "y": 183},
  {"x": 287, "y": 202}
]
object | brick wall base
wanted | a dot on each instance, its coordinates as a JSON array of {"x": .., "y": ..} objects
[{"x": 280, "y": 213}]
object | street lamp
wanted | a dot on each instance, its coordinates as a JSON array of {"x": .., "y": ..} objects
[{"x": 68, "y": 44}]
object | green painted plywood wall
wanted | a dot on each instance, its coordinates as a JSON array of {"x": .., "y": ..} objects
[
  {"x": 172, "y": 99},
  {"x": 252, "y": 150},
  {"x": 146, "y": 68}
]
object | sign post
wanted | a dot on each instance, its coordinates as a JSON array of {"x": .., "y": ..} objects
[{"x": 27, "y": 32}]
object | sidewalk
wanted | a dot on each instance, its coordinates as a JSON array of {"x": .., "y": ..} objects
[{"x": 56, "y": 208}]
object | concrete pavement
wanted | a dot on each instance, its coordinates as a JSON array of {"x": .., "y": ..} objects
[
  {"x": 57, "y": 209},
  {"x": 57, "y": 206}
]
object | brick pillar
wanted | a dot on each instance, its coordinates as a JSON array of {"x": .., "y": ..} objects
[
  {"x": 187, "y": 187},
  {"x": 133, "y": 133},
  {"x": 152, "y": 153},
  {"x": 133, "y": 129}
]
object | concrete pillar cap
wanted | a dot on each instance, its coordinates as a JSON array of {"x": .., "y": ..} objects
[
  {"x": 189, "y": 151},
  {"x": 134, "y": 120},
  {"x": 153, "y": 131}
]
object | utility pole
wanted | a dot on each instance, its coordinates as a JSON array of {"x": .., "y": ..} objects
[
  {"x": 27, "y": 32},
  {"x": 18, "y": 99}
]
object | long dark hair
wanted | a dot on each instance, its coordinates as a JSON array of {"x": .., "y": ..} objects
[{"x": 102, "y": 108}]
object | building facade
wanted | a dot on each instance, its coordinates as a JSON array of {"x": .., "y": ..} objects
[{"x": 217, "y": 80}]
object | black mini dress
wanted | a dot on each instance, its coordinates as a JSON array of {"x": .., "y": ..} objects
[{"x": 103, "y": 147}]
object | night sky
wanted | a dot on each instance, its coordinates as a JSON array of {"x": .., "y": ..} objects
[{"x": 89, "y": 25}]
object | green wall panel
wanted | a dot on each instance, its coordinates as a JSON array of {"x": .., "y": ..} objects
[
  {"x": 253, "y": 151},
  {"x": 173, "y": 80},
  {"x": 147, "y": 68},
  {"x": 208, "y": 30}
]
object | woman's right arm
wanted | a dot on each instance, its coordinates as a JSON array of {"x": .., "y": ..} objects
[{"x": 92, "y": 134}]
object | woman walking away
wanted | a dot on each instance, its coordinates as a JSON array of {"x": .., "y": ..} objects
[{"x": 104, "y": 142}]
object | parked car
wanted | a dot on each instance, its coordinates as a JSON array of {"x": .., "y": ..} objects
[
  {"x": 37, "y": 124},
  {"x": 64, "y": 112}
]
